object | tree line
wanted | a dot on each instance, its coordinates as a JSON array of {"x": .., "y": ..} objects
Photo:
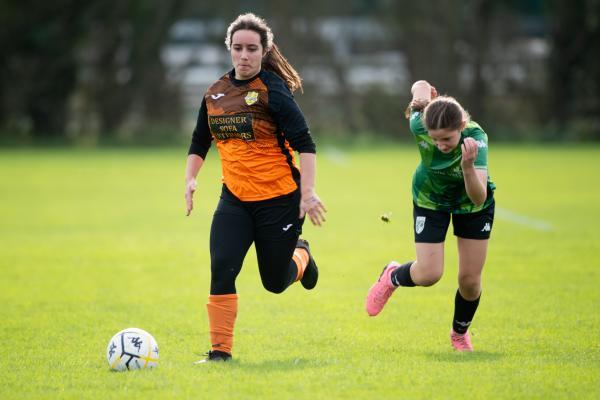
[{"x": 93, "y": 70}]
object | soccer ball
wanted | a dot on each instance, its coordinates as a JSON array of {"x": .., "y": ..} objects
[{"x": 132, "y": 348}]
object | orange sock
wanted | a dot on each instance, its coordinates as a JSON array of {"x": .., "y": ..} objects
[
  {"x": 222, "y": 310},
  {"x": 300, "y": 257}
]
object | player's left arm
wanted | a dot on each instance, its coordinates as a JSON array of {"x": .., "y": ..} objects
[
  {"x": 310, "y": 203},
  {"x": 291, "y": 121},
  {"x": 475, "y": 177}
]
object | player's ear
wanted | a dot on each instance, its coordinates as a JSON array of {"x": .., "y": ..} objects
[{"x": 463, "y": 125}]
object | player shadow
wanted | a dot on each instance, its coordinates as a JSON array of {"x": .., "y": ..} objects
[
  {"x": 476, "y": 356},
  {"x": 289, "y": 364}
]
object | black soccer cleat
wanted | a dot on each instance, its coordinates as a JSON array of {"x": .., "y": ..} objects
[
  {"x": 215, "y": 355},
  {"x": 311, "y": 273}
]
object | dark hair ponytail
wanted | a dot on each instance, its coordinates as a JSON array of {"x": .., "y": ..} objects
[{"x": 276, "y": 62}]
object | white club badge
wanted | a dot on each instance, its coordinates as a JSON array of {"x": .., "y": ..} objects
[
  {"x": 251, "y": 98},
  {"x": 419, "y": 224}
]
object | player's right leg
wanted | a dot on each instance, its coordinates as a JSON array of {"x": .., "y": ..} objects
[
  {"x": 381, "y": 290},
  {"x": 428, "y": 269},
  {"x": 425, "y": 271},
  {"x": 430, "y": 229},
  {"x": 230, "y": 238}
]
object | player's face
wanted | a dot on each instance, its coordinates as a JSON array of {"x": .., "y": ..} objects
[
  {"x": 445, "y": 140},
  {"x": 246, "y": 53}
]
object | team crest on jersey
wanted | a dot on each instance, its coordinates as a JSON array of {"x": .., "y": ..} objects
[
  {"x": 251, "y": 98},
  {"x": 419, "y": 224}
]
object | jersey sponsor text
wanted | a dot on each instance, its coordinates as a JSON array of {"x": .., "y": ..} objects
[{"x": 225, "y": 127}]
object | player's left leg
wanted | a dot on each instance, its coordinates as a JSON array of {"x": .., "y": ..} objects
[
  {"x": 308, "y": 273},
  {"x": 282, "y": 258},
  {"x": 473, "y": 232},
  {"x": 471, "y": 258},
  {"x": 275, "y": 264}
]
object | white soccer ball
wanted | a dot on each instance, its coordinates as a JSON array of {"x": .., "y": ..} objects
[{"x": 132, "y": 348}]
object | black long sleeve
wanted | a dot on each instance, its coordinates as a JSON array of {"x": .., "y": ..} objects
[
  {"x": 201, "y": 138},
  {"x": 289, "y": 118}
]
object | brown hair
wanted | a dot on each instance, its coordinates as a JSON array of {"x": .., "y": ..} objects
[
  {"x": 444, "y": 112},
  {"x": 415, "y": 105},
  {"x": 273, "y": 60}
]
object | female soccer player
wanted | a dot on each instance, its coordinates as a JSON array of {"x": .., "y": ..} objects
[
  {"x": 451, "y": 182},
  {"x": 252, "y": 117}
]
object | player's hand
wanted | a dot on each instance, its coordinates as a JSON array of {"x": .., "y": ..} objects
[
  {"x": 469, "y": 152},
  {"x": 418, "y": 104},
  {"x": 423, "y": 92},
  {"x": 190, "y": 188},
  {"x": 311, "y": 204}
]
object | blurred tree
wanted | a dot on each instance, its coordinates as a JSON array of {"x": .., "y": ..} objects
[
  {"x": 108, "y": 50},
  {"x": 449, "y": 42},
  {"x": 38, "y": 65},
  {"x": 427, "y": 33},
  {"x": 101, "y": 60},
  {"x": 574, "y": 67},
  {"x": 125, "y": 71}
]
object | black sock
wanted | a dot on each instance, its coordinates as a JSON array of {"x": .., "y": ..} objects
[
  {"x": 464, "y": 310},
  {"x": 401, "y": 276}
]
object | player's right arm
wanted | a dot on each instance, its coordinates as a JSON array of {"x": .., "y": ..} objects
[
  {"x": 193, "y": 165},
  {"x": 201, "y": 141}
]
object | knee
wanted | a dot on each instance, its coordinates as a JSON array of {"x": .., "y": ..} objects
[
  {"x": 470, "y": 285},
  {"x": 221, "y": 275},
  {"x": 274, "y": 284},
  {"x": 220, "y": 284},
  {"x": 429, "y": 273},
  {"x": 222, "y": 278},
  {"x": 276, "y": 274},
  {"x": 430, "y": 280},
  {"x": 274, "y": 287}
]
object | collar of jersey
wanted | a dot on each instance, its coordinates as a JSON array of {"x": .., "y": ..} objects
[{"x": 238, "y": 82}]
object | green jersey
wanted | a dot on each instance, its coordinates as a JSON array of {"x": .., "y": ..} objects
[{"x": 438, "y": 181}]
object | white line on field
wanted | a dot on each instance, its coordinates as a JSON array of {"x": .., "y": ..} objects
[{"x": 533, "y": 223}]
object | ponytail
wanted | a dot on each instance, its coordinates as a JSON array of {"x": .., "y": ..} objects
[{"x": 276, "y": 62}]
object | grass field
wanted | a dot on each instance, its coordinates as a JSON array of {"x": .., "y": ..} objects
[{"x": 92, "y": 242}]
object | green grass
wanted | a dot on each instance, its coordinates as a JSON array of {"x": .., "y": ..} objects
[{"x": 92, "y": 242}]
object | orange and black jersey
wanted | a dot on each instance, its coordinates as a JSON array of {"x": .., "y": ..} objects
[{"x": 256, "y": 125}]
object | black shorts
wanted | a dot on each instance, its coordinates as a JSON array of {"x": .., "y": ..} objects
[
  {"x": 272, "y": 219},
  {"x": 430, "y": 226},
  {"x": 272, "y": 225}
]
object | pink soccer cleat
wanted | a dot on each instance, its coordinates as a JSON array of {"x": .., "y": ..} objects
[
  {"x": 461, "y": 342},
  {"x": 381, "y": 291}
]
